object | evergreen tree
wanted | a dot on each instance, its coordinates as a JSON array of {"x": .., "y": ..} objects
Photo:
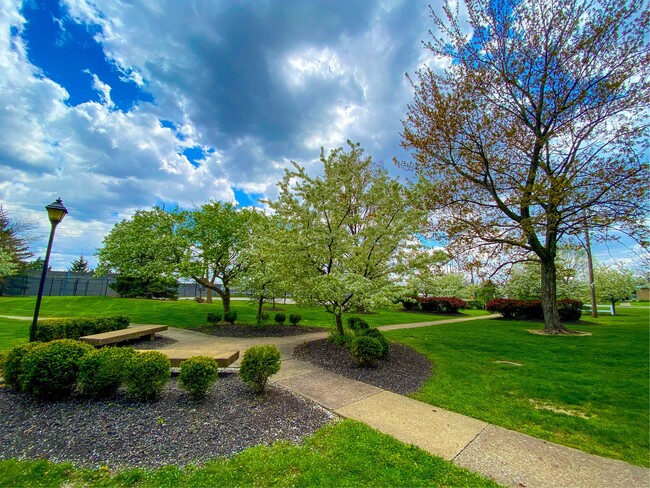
[
  {"x": 11, "y": 241},
  {"x": 80, "y": 265}
]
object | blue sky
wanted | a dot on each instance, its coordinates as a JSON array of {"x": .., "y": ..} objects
[{"x": 117, "y": 105}]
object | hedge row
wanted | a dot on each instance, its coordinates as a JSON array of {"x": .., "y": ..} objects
[
  {"x": 74, "y": 328},
  {"x": 568, "y": 309},
  {"x": 434, "y": 304}
]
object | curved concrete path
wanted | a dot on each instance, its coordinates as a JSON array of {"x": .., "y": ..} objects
[{"x": 508, "y": 457}]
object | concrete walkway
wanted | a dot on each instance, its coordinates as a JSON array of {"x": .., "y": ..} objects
[{"x": 508, "y": 457}]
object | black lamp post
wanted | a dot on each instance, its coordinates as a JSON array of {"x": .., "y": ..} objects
[{"x": 55, "y": 211}]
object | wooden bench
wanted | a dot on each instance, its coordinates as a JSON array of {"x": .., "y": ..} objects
[
  {"x": 223, "y": 359},
  {"x": 115, "y": 336}
]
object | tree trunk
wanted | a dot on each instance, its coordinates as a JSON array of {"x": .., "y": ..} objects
[
  {"x": 552, "y": 323},
  {"x": 225, "y": 299},
  {"x": 590, "y": 268},
  {"x": 613, "y": 307},
  {"x": 339, "y": 323},
  {"x": 208, "y": 295},
  {"x": 260, "y": 303}
]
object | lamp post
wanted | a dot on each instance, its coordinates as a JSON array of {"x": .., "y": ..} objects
[{"x": 55, "y": 212}]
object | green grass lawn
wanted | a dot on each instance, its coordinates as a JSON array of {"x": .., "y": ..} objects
[
  {"x": 182, "y": 313},
  {"x": 344, "y": 454},
  {"x": 598, "y": 385}
]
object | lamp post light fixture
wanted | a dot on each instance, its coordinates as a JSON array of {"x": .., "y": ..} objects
[{"x": 55, "y": 212}]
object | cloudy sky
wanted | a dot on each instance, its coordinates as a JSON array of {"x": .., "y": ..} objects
[{"x": 115, "y": 106}]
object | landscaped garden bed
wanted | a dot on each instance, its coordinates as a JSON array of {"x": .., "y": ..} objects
[{"x": 244, "y": 330}]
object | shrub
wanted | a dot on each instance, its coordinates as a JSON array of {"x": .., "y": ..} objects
[
  {"x": 505, "y": 306},
  {"x": 410, "y": 303},
  {"x": 230, "y": 317},
  {"x": 366, "y": 350},
  {"x": 3, "y": 360},
  {"x": 258, "y": 364},
  {"x": 74, "y": 328},
  {"x": 137, "y": 287},
  {"x": 340, "y": 340},
  {"x": 280, "y": 318},
  {"x": 440, "y": 304},
  {"x": 215, "y": 317},
  {"x": 102, "y": 371},
  {"x": 356, "y": 324},
  {"x": 50, "y": 371},
  {"x": 294, "y": 318},
  {"x": 13, "y": 369},
  {"x": 197, "y": 375},
  {"x": 570, "y": 310},
  {"x": 376, "y": 334},
  {"x": 147, "y": 374},
  {"x": 474, "y": 304}
]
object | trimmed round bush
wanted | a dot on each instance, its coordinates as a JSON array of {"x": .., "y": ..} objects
[
  {"x": 102, "y": 371},
  {"x": 294, "y": 318},
  {"x": 13, "y": 369},
  {"x": 376, "y": 334},
  {"x": 340, "y": 340},
  {"x": 366, "y": 350},
  {"x": 147, "y": 374},
  {"x": 198, "y": 374},
  {"x": 280, "y": 318},
  {"x": 50, "y": 371},
  {"x": 230, "y": 317},
  {"x": 357, "y": 323},
  {"x": 258, "y": 364}
]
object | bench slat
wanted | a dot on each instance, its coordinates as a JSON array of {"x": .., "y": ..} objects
[
  {"x": 115, "y": 336},
  {"x": 223, "y": 359}
]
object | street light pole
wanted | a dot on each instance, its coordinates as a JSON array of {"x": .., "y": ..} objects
[{"x": 55, "y": 212}]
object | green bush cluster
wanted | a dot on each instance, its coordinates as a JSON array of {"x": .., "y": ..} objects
[
  {"x": 215, "y": 317},
  {"x": 13, "y": 369},
  {"x": 74, "y": 328},
  {"x": 280, "y": 318},
  {"x": 230, "y": 317},
  {"x": 197, "y": 375},
  {"x": 147, "y": 374},
  {"x": 102, "y": 371},
  {"x": 50, "y": 370},
  {"x": 366, "y": 344},
  {"x": 258, "y": 364},
  {"x": 569, "y": 310},
  {"x": 294, "y": 318}
]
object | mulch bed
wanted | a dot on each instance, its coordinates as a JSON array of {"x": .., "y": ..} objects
[
  {"x": 244, "y": 330},
  {"x": 121, "y": 433},
  {"x": 403, "y": 372}
]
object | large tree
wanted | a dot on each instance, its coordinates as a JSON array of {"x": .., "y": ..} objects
[
  {"x": 343, "y": 232},
  {"x": 203, "y": 244},
  {"x": 536, "y": 128},
  {"x": 15, "y": 236},
  {"x": 613, "y": 285}
]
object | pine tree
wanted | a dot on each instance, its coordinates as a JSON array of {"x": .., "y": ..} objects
[
  {"x": 80, "y": 265},
  {"x": 11, "y": 242}
]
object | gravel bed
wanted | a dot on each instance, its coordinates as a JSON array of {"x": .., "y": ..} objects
[
  {"x": 271, "y": 330},
  {"x": 403, "y": 372},
  {"x": 121, "y": 433}
]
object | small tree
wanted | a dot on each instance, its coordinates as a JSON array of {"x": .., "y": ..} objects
[
  {"x": 15, "y": 238},
  {"x": 80, "y": 265},
  {"x": 613, "y": 284},
  {"x": 341, "y": 235}
]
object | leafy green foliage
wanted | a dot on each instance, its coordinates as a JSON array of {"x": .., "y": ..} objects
[
  {"x": 280, "y": 318},
  {"x": 147, "y": 375},
  {"x": 337, "y": 339},
  {"x": 13, "y": 367},
  {"x": 50, "y": 371},
  {"x": 294, "y": 318},
  {"x": 258, "y": 364},
  {"x": 366, "y": 350},
  {"x": 230, "y": 316},
  {"x": 102, "y": 371},
  {"x": 376, "y": 334},
  {"x": 356, "y": 324},
  {"x": 215, "y": 317},
  {"x": 341, "y": 236},
  {"x": 145, "y": 287},
  {"x": 74, "y": 328},
  {"x": 613, "y": 284},
  {"x": 197, "y": 375}
]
